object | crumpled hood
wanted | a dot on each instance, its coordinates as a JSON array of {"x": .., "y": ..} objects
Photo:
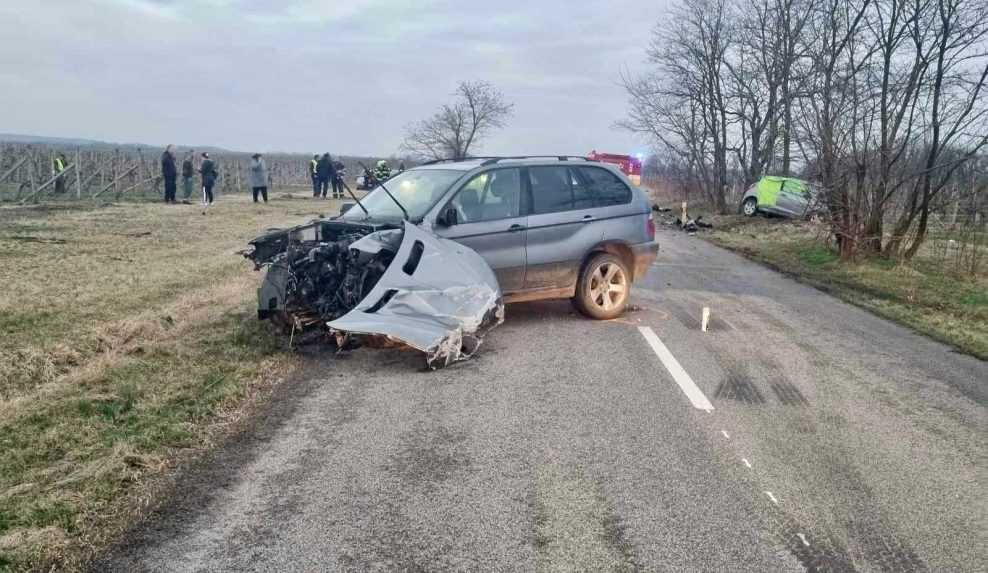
[{"x": 437, "y": 296}]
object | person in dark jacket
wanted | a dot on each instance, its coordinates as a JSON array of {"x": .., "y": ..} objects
[
  {"x": 209, "y": 174},
  {"x": 169, "y": 173},
  {"x": 314, "y": 174},
  {"x": 188, "y": 175},
  {"x": 257, "y": 176},
  {"x": 326, "y": 172}
]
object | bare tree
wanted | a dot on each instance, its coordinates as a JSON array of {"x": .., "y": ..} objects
[
  {"x": 683, "y": 104},
  {"x": 879, "y": 102},
  {"x": 458, "y": 127},
  {"x": 955, "y": 110},
  {"x": 763, "y": 71}
]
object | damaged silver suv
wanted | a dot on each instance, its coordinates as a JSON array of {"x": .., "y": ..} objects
[{"x": 548, "y": 228}]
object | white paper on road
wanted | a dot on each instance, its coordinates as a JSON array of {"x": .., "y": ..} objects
[{"x": 686, "y": 384}]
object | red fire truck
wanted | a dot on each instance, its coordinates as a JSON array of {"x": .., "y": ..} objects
[{"x": 630, "y": 165}]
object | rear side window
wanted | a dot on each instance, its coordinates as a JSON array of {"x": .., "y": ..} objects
[
  {"x": 605, "y": 187},
  {"x": 551, "y": 189}
]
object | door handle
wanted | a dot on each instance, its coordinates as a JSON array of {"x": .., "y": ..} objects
[
  {"x": 516, "y": 227},
  {"x": 587, "y": 218}
]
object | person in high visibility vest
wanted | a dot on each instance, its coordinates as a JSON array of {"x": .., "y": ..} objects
[
  {"x": 58, "y": 165},
  {"x": 314, "y": 174}
]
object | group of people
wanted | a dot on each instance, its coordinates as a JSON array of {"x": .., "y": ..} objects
[
  {"x": 207, "y": 172},
  {"x": 326, "y": 171}
]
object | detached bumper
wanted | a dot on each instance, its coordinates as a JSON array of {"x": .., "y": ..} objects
[{"x": 644, "y": 255}]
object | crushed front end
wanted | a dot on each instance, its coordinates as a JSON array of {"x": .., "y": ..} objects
[{"x": 364, "y": 282}]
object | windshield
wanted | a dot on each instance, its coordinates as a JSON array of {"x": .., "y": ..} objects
[{"x": 417, "y": 190}]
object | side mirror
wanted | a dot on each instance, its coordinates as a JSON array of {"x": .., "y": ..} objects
[
  {"x": 346, "y": 207},
  {"x": 448, "y": 217}
]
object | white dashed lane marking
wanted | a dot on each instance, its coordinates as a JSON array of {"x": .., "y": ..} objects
[{"x": 686, "y": 384}]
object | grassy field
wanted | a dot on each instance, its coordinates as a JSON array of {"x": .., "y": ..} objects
[
  {"x": 950, "y": 307},
  {"x": 129, "y": 340}
]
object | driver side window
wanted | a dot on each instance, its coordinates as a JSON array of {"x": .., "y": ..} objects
[{"x": 489, "y": 196}]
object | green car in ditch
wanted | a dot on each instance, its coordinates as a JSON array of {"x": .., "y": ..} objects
[{"x": 784, "y": 196}]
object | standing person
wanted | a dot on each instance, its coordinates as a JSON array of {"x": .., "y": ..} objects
[
  {"x": 58, "y": 166},
  {"x": 258, "y": 177},
  {"x": 401, "y": 167},
  {"x": 209, "y": 174},
  {"x": 188, "y": 174},
  {"x": 314, "y": 174},
  {"x": 336, "y": 178},
  {"x": 325, "y": 172},
  {"x": 169, "y": 173}
]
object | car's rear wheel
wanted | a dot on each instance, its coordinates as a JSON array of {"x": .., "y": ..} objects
[
  {"x": 603, "y": 287},
  {"x": 749, "y": 207}
]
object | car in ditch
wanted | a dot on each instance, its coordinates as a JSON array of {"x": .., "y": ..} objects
[
  {"x": 430, "y": 257},
  {"x": 782, "y": 196}
]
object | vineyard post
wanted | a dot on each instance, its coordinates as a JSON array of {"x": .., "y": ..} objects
[
  {"x": 78, "y": 174},
  {"x": 33, "y": 165},
  {"x": 102, "y": 173},
  {"x": 142, "y": 167},
  {"x": 113, "y": 171}
]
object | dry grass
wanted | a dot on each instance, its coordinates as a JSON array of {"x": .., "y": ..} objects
[
  {"x": 128, "y": 332},
  {"x": 947, "y": 306}
]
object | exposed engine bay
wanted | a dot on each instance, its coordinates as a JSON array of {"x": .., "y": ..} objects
[{"x": 361, "y": 282}]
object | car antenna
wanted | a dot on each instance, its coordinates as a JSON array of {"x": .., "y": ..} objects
[
  {"x": 381, "y": 183},
  {"x": 354, "y": 195}
]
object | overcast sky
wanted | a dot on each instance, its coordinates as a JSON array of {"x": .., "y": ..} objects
[{"x": 344, "y": 76}]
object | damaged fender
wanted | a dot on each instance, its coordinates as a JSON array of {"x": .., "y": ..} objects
[{"x": 437, "y": 296}]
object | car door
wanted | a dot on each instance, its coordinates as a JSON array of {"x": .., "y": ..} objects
[
  {"x": 793, "y": 198},
  {"x": 559, "y": 229},
  {"x": 769, "y": 192},
  {"x": 490, "y": 219}
]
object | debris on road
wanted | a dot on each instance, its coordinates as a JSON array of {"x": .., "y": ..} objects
[
  {"x": 685, "y": 222},
  {"x": 363, "y": 281}
]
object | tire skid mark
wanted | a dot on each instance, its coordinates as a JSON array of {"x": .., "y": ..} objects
[
  {"x": 737, "y": 384},
  {"x": 872, "y": 538}
]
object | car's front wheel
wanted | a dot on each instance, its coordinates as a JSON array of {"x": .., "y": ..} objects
[
  {"x": 749, "y": 207},
  {"x": 603, "y": 287}
]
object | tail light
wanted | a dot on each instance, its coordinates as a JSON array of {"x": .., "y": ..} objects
[{"x": 650, "y": 227}]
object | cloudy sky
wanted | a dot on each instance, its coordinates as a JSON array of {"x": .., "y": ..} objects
[{"x": 304, "y": 75}]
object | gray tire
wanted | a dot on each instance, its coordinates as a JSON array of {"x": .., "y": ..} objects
[
  {"x": 603, "y": 287},
  {"x": 749, "y": 207}
]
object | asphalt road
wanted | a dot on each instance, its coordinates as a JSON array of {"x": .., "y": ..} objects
[{"x": 836, "y": 441}]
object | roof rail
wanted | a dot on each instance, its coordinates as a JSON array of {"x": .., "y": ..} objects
[
  {"x": 494, "y": 160},
  {"x": 491, "y": 160},
  {"x": 452, "y": 160}
]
